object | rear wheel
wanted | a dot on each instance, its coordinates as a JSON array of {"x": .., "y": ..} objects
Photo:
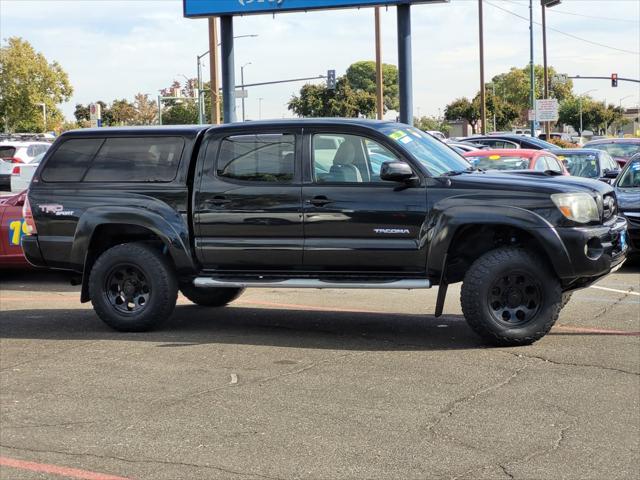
[
  {"x": 133, "y": 287},
  {"x": 510, "y": 297},
  {"x": 210, "y": 297}
]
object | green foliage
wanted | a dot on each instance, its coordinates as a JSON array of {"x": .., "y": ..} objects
[
  {"x": 142, "y": 111},
  {"x": 354, "y": 96},
  {"x": 513, "y": 88},
  {"x": 463, "y": 109},
  {"x": 431, "y": 123},
  {"x": 26, "y": 80},
  {"x": 596, "y": 116},
  {"x": 362, "y": 76}
]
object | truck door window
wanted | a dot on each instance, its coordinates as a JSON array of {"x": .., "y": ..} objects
[
  {"x": 257, "y": 158},
  {"x": 342, "y": 158}
]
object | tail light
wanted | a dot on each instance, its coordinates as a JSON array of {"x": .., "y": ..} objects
[
  {"x": 14, "y": 160},
  {"x": 28, "y": 217},
  {"x": 15, "y": 171}
]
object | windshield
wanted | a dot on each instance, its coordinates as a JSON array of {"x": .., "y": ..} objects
[
  {"x": 581, "y": 165},
  {"x": 437, "y": 158},
  {"x": 631, "y": 177},
  {"x": 499, "y": 162},
  {"x": 620, "y": 150}
]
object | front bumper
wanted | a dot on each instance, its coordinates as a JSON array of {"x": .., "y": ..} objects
[
  {"x": 595, "y": 251},
  {"x": 633, "y": 219}
]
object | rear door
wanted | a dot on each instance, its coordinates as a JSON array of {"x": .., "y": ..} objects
[
  {"x": 354, "y": 221},
  {"x": 248, "y": 207}
]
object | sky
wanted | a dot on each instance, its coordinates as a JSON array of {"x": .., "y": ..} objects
[{"x": 115, "y": 49}]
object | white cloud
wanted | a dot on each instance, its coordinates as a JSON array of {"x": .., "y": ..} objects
[{"x": 114, "y": 49}]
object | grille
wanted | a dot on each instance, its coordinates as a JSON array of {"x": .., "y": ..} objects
[{"x": 609, "y": 206}]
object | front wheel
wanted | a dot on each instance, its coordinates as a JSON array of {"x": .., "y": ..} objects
[
  {"x": 510, "y": 297},
  {"x": 133, "y": 287},
  {"x": 210, "y": 297}
]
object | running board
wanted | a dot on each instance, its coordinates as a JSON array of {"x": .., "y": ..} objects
[{"x": 208, "y": 282}]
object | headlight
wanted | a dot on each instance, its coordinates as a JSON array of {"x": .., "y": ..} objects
[{"x": 579, "y": 207}]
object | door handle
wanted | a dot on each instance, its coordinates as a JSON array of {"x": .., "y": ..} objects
[
  {"x": 319, "y": 201},
  {"x": 217, "y": 201}
]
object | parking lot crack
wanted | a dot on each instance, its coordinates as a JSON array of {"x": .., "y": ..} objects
[
  {"x": 146, "y": 461},
  {"x": 448, "y": 411},
  {"x": 569, "y": 364}
]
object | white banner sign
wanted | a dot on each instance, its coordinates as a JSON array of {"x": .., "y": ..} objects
[{"x": 547, "y": 110}]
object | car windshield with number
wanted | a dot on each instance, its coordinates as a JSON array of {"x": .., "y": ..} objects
[{"x": 435, "y": 156}]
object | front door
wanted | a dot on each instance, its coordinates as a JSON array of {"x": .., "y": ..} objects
[
  {"x": 248, "y": 208},
  {"x": 354, "y": 221}
]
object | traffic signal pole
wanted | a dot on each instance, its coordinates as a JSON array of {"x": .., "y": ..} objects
[
  {"x": 379, "y": 78},
  {"x": 546, "y": 71},
  {"x": 483, "y": 100},
  {"x": 532, "y": 77}
]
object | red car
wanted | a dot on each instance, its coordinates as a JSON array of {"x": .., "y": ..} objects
[
  {"x": 516, "y": 159},
  {"x": 621, "y": 149},
  {"x": 12, "y": 227}
]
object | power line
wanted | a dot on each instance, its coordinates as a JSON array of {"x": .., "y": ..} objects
[
  {"x": 562, "y": 32},
  {"x": 555, "y": 10}
]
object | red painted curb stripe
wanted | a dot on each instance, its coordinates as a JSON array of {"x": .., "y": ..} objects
[
  {"x": 56, "y": 470},
  {"x": 603, "y": 331}
]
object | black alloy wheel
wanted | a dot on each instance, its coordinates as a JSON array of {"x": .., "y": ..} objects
[
  {"x": 515, "y": 299},
  {"x": 127, "y": 289}
]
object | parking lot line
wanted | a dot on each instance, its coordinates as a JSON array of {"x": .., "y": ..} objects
[
  {"x": 56, "y": 470},
  {"x": 606, "y": 289}
]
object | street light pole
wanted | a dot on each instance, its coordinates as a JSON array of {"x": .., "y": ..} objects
[
  {"x": 379, "y": 77},
  {"x": 260, "y": 108},
  {"x": 243, "y": 90},
  {"x": 580, "y": 107},
  {"x": 532, "y": 77},
  {"x": 44, "y": 113}
]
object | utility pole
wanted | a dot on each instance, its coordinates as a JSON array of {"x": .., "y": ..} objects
[
  {"x": 532, "y": 77},
  {"x": 405, "y": 73},
  {"x": 547, "y": 125},
  {"x": 243, "y": 91},
  {"x": 379, "y": 77},
  {"x": 213, "y": 69},
  {"x": 483, "y": 100}
]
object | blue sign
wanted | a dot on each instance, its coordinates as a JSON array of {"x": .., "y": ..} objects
[{"x": 214, "y": 8}]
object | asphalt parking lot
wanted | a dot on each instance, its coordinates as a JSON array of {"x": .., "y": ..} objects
[{"x": 316, "y": 385}]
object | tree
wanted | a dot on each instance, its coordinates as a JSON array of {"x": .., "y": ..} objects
[
  {"x": 27, "y": 79},
  {"x": 183, "y": 113},
  {"x": 463, "y": 109},
  {"x": 513, "y": 88},
  {"x": 431, "y": 123},
  {"x": 146, "y": 110},
  {"x": 123, "y": 112},
  {"x": 354, "y": 95},
  {"x": 362, "y": 76}
]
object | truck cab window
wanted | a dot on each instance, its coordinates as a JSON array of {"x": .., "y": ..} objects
[{"x": 257, "y": 158}]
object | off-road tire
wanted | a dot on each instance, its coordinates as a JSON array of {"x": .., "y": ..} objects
[
  {"x": 210, "y": 297},
  {"x": 160, "y": 281},
  {"x": 478, "y": 286},
  {"x": 565, "y": 298}
]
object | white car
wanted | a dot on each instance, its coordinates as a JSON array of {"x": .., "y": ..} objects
[
  {"x": 22, "y": 173},
  {"x": 17, "y": 152}
]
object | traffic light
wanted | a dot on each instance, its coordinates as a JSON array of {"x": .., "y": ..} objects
[
  {"x": 331, "y": 79},
  {"x": 614, "y": 79}
]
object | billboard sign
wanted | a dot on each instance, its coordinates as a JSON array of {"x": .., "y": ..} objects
[
  {"x": 547, "y": 110},
  {"x": 207, "y": 8}
]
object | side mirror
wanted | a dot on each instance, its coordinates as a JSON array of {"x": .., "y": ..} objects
[
  {"x": 611, "y": 174},
  {"x": 396, "y": 172}
]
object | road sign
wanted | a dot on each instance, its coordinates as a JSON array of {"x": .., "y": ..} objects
[
  {"x": 205, "y": 8},
  {"x": 547, "y": 110},
  {"x": 95, "y": 115},
  {"x": 242, "y": 93},
  {"x": 532, "y": 115}
]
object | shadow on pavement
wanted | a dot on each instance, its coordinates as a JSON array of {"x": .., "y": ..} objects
[{"x": 192, "y": 325}]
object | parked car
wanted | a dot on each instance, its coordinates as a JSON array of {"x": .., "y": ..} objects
[
  {"x": 621, "y": 149},
  {"x": 12, "y": 230},
  {"x": 462, "y": 147},
  {"x": 437, "y": 134},
  {"x": 141, "y": 213},
  {"x": 627, "y": 188},
  {"x": 17, "y": 152},
  {"x": 517, "y": 159},
  {"x": 510, "y": 142},
  {"x": 565, "y": 137},
  {"x": 588, "y": 163},
  {"x": 22, "y": 173}
]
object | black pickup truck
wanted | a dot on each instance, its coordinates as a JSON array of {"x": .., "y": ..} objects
[{"x": 140, "y": 213}]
